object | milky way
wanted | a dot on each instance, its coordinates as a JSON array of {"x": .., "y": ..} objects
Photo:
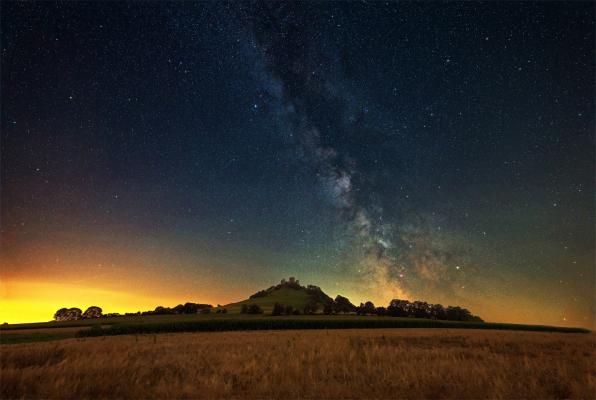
[{"x": 203, "y": 151}]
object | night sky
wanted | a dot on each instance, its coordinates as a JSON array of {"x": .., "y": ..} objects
[{"x": 157, "y": 153}]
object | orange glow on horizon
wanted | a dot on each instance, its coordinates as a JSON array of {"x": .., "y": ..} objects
[
  {"x": 24, "y": 301},
  {"x": 37, "y": 301}
]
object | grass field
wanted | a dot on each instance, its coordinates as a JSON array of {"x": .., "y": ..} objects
[
  {"x": 371, "y": 363},
  {"x": 233, "y": 320},
  {"x": 25, "y": 333},
  {"x": 286, "y": 296}
]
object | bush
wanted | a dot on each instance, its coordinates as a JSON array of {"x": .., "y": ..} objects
[
  {"x": 278, "y": 309},
  {"x": 289, "y": 310},
  {"x": 260, "y": 293},
  {"x": 244, "y": 309},
  {"x": 311, "y": 308},
  {"x": 254, "y": 309}
]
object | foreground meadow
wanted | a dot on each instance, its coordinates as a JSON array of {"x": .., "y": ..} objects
[{"x": 380, "y": 363}]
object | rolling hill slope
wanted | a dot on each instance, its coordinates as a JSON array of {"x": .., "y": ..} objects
[{"x": 287, "y": 294}]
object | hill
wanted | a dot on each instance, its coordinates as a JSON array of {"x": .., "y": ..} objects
[{"x": 287, "y": 293}]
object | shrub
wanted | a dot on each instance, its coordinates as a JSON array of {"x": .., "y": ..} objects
[
  {"x": 254, "y": 309},
  {"x": 289, "y": 310},
  {"x": 278, "y": 309},
  {"x": 260, "y": 293},
  {"x": 311, "y": 307}
]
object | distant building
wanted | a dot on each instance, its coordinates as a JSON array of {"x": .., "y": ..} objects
[{"x": 291, "y": 281}]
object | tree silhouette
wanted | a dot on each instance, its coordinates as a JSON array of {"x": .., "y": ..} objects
[
  {"x": 278, "y": 309},
  {"x": 381, "y": 311},
  {"x": 92, "y": 312},
  {"x": 254, "y": 309},
  {"x": 366, "y": 308},
  {"x": 422, "y": 309},
  {"x": 68, "y": 314},
  {"x": 343, "y": 305}
]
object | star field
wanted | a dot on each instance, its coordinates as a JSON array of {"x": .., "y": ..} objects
[{"x": 200, "y": 151}]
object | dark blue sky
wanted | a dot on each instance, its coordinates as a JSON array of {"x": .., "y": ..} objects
[{"x": 423, "y": 150}]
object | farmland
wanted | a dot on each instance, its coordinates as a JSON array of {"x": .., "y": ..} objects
[
  {"x": 44, "y": 331},
  {"x": 350, "y": 363},
  {"x": 287, "y": 293}
]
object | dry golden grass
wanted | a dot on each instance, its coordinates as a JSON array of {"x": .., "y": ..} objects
[{"x": 407, "y": 363}]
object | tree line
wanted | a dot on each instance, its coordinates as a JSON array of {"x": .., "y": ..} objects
[
  {"x": 74, "y": 313},
  {"x": 396, "y": 308},
  {"x": 186, "y": 308}
]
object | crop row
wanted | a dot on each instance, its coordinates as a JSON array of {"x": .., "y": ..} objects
[{"x": 303, "y": 323}]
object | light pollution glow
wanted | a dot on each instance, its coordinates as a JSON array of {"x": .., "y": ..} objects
[
  {"x": 36, "y": 301},
  {"x": 134, "y": 277}
]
